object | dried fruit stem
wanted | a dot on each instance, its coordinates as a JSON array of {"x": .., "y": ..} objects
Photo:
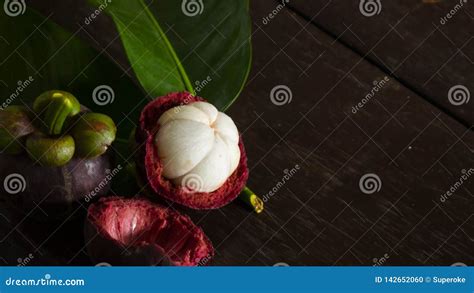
[{"x": 252, "y": 200}]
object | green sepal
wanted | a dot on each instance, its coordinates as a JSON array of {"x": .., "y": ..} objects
[
  {"x": 55, "y": 107},
  {"x": 93, "y": 134},
  {"x": 50, "y": 152}
]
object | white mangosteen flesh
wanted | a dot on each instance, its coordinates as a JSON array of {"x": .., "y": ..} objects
[{"x": 198, "y": 146}]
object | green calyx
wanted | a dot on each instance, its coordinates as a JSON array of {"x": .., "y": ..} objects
[
  {"x": 93, "y": 133},
  {"x": 44, "y": 135},
  {"x": 15, "y": 125},
  {"x": 51, "y": 152},
  {"x": 54, "y": 107}
]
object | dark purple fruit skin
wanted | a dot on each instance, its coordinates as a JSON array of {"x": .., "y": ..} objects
[{"x": 54, "y": 192}]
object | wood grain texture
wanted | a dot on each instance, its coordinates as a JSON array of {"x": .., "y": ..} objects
[
  {"x": 320, "y": 216},
  {"x": 17, "y": 246},
  {"x": 427, "y": 45}
]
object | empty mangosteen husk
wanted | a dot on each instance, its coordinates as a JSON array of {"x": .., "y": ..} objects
[
  {"x": 121, "y": 231},
  {"x": 50, "y": 193},
  {"x": 151, "y": 168}
]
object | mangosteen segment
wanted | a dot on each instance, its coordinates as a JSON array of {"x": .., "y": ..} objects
[{"x": 123, "y": 231}]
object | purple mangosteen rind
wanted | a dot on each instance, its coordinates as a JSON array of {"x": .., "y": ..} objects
[
  {"x": 160, "y": 235},
  {"x": 150, "y": 167},
  {"x": 53, "y": 192}
]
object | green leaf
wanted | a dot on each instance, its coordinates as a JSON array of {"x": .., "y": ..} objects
[{"x": 172, "y": 47}]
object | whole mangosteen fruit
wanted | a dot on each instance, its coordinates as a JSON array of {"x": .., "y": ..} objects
[{"x": 53, "y": 155}]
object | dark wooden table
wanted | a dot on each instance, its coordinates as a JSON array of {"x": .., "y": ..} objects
[{"x": 408, "y": 136}]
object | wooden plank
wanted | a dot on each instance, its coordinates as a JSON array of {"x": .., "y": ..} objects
[
  {"x": 427, "y": 45},
  {"x": 17, "y": 247},
  {"x": 320, "y": 216}
]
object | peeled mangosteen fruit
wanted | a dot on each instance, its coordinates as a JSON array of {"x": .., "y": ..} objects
[
  {"x": 54, "y": 154},
  {"x": 189, "y": 152},
  {"x": 121, "y": 231}
]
